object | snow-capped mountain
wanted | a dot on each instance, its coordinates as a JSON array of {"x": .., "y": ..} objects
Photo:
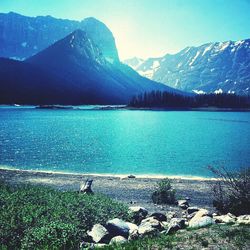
[
  {"x": 23, "y": 36},
  {"x": 213, "y": 67}
]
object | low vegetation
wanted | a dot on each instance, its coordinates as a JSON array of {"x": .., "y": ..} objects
[
  {"x": 38, "y": 217},
  {"x": 232, "y": 191},
  {"x": 160, "y": 99},
  {"x": 164, "y": 193},
  {"x": 213, "y": 237},
  {"x": 43, "y": 218}
]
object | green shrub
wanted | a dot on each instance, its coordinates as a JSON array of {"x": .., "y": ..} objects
[
  {"x": 164, "y": 193},
  {"x": 33, "y": 217},
  {"x": 232, "y": 191}
]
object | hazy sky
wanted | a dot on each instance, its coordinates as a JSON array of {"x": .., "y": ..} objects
[{"x": 151, "y": 28}]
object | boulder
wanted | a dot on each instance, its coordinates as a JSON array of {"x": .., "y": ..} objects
[
  {"x": 118, "y": 227},
  {"x": 118, "y": 240},
  {"x": 164, "y": 225},
  {"x": 244, "y": 219},
  {"x": 202, "y": 218},
  {"x": 183, "y": 204},
  {"x": 170, "y": 215},
  {"x": 131, "y": 176},
  {"x": 191, "y": 210},
  {"x": 228, "y": 218},
  {"x": 190, "y": 216},
  {"x": 99, "y": 234},
  {"x": 175, "y": 225},
  {"x": 159, "y": 216},
  {"x": 88, "y": 245},
  {"x": 203, "y": 221},
  {"x": 152, "y": 221},
  {"x": 132, "y": 227},
  {"x": 147, "y": 229},
  {"x": 98, "y": 245},
  {"x": 149, "y": 225},
  {"x": 133, "y": 235},
  {"x": 138, "y": 213},
  {"x": 203, "y": 212}
]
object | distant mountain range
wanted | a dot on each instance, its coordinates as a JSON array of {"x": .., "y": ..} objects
[
  {"x": 81, "y": 68},
  {"x": 213, "y": 67},
  {"x": 22, "y": 36},
  {"x": 45, "y": 60}
]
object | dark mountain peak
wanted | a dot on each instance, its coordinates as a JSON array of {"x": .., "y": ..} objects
[
  {"x": 103, "y": 37},
  {"x": 93, "y": 21},
  {"x": 77, "y": 48},
  {"x": 12, "y": 13},
  {"x": 79, "y": 34},
  {"x": 34, "y": 34}
]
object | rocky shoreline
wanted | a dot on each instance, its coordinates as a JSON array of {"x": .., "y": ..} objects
[
  {"x": 119, "y": 231},
  {"x": 192, "y": 212},
  {"x": 131, "y": 191}
]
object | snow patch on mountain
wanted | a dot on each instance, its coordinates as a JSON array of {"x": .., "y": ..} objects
[
  {"x": 208, "y": 48},
  {"x": 195, "y": 57},
  {"x": 199, "y": 92},
  {"x": 218, "y": 91}
]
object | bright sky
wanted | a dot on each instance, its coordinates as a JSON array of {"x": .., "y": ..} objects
[{"x": 151, "y": 28}]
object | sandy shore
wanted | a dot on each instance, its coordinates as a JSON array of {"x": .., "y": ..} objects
[{"x": 136, "y": 191}]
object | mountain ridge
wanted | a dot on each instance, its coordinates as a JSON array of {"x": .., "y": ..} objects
[
  {"x": 23, "y": 36},
  {"x": 212, "y": 67},
  {"x": 71, "y": 71}
]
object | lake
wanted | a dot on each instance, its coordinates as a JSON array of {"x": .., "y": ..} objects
[{"x": 123, "y": 141}]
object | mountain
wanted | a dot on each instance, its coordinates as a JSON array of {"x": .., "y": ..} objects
[
  {"x": 22, "y": 36},
  {"x": 134, "y": 62},
  {"x": 23, "y": 83},
  {"x": 213, "y": 67},
  {"x": 73, "y": 70}
]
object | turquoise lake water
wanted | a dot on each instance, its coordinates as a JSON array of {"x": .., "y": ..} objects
[{"x": 123, "y": 141}]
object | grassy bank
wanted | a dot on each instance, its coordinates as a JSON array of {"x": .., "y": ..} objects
[
  {"x": 38, "y": 217},
  {"x": 35, "y": 217}
]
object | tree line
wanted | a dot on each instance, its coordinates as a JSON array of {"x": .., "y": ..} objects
[{"x": 166, "y": 99}]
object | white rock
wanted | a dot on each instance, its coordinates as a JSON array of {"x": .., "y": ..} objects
[
  {"x": 118, "y": 239},
  {"x": 132, "y": 227},
  {"x": 98, "y": 233},
  {"x": 244, "y": 219},
  {"x": 170, "y": 215},
  {"x": 149, "y": 225},
  {"x": 152, "y": 221},
  {"x": 202, "y": 218},
  {"x": 133, "y": 235},
  {"x": 202, "y": 212},
  {"x": 175, "y": 225},
  {"x": 138, "y": 209},
  {"x": 138, "y": 213},
  {"x": 164, "y": 225},
  {"x": 183, "y": 204},
  {"x": 118, "y": 227},
  {"x": 228, "y": 218},
  {"x": 201, "y": 222},
  {"x": 147, "y": 229},
  {"x": 191, "y": 210}
]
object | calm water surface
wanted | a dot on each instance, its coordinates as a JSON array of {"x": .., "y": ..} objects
[{"x": 123, "y": 142}]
